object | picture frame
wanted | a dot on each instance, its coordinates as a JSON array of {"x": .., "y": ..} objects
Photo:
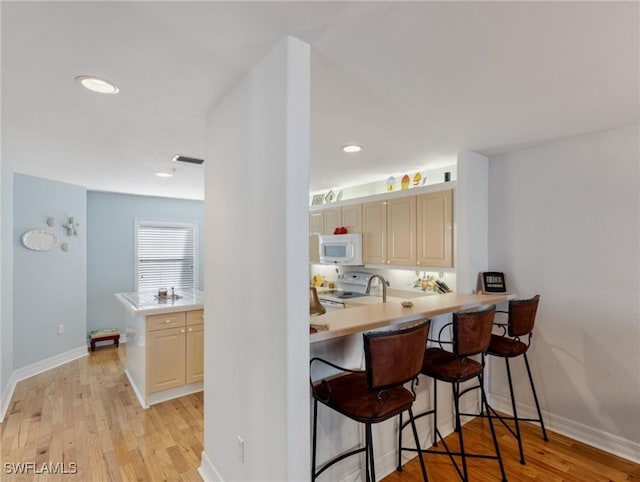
[
  {"x": 493, "y": 282},
  {"x": 317, "y": 199}
]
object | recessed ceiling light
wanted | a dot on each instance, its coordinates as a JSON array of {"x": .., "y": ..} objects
[
  {"x": 352, "y": 148},
  {"x": 95, "y": 84},
  {"x": 168, "y": 173}
]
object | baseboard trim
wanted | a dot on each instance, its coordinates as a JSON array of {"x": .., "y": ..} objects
[
  {"x": 608, "y": 442},
  {"x": 207, "y": 470},
  {"x": 36, "y": 368},
  {"x": 6, "y": 397},
  {"x": 135, "y": 389}
]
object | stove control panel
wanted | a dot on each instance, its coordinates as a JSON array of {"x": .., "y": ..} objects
[{"x": 354, "y": 278}]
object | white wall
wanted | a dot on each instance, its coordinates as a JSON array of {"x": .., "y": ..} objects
[
  {"x": 256, "y": 235},
  {"x": 564, "y": 222},
  {"x": 471, "y": 220}
]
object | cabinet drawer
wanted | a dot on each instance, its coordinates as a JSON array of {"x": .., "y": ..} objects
[
  {"x": 165, "y": 320},
  {"x": 195, "y": 317}
]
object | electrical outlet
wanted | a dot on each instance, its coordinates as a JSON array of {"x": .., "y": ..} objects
[
  {"x": 240, "y": 446},
  {"x": 60, "y": 329}
]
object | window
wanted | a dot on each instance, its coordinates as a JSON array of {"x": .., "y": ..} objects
[{"x": 165, "y": 255}]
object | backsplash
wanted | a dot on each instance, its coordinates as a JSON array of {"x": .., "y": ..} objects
[{"x": 399, "y": 279}]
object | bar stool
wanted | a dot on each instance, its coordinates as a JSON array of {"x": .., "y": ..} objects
[
  {"x": 471, "y": 333},
  {"x": 376, "y": 394},
  {"x": 520, "y": 321}
]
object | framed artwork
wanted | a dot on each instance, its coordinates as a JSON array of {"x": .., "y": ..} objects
[
  {"x": 317, "y": 199},
  {"x": 493, "y": 282}
]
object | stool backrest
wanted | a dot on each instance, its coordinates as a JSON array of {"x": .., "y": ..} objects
[
  {"x": 395, "y": 357},
  {"x": 522, "y": 316},
  {"x": 472, "y": 331}
]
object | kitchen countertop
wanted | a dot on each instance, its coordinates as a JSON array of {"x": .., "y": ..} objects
[
  {"x": 374, "y": 314},
  {"x": 147, "y": 303}
]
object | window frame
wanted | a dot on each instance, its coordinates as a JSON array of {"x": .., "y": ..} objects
[{"x": 144, "y": 222}]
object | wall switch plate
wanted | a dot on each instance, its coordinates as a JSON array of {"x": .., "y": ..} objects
[
  {"x": 60, "y": 329},
  {"x": 240, "y": 446}
]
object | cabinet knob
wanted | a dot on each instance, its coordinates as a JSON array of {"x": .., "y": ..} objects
[
  {"x": 167, "y": 321},
  {"x": 190, "y": 329},
  {"x": 388, "y": 262},
  {"x": 417, "y": 262},
  {"x": 182, "y": 331}
]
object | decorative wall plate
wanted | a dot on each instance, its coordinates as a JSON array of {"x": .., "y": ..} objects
[{"x": 39, "y": 240}]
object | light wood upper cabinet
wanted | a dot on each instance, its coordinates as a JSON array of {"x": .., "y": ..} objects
[
  {"x": 316, "y": 225},
  {"x": 401, "y": 231},
  {"x": 407, "y": 230},
  {"x": 389, "y": 232},
  {"x": 349, "y": 217},
  {"x": 374, "y": 232},
  {"x": 352, "y": 218},
  {"x": 435, "y": 229},
  {"x": 332, "y": 219}
]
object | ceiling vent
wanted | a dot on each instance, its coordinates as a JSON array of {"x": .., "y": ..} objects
[{"x": 188, "y": 160}]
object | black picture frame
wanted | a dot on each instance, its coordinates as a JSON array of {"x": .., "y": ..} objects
[{"x": 493, "y": 282}]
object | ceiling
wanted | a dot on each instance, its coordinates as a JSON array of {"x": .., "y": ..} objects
[{"x": 413, "y": 82}]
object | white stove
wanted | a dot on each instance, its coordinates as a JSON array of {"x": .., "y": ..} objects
[{"x": 349, "y": 285}]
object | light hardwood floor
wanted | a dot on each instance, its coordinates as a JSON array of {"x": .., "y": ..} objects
[
  {"x": 559, "y": 459},
  {"x": 85, "y": 413}
]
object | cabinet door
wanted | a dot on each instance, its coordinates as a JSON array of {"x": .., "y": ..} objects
[
  {"x": 165, "y": 359},
  {"x": 435, "y": 229},
  {"x": 374, "y": 232},
  {"x": 332, "y": 220},
  {"x": 195, "y": 353},
  {"x": 316, "y": 220},
  {"x": 352, "y": 218},
  {"x": 401, "y": 226}
]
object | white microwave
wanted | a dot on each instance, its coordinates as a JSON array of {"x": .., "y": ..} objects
[{"x": 343, "y": 249}]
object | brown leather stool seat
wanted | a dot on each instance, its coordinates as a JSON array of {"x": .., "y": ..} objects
[
  {"x": 471, "y": 334},
  {"x": 520, "y": 322},
  {"x": 392, "y": 358}
]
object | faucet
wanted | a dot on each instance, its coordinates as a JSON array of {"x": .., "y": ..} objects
[{"x": 384, "y": 286}]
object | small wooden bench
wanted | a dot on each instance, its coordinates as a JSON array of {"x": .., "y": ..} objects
[{"x": 105, "y": 334}]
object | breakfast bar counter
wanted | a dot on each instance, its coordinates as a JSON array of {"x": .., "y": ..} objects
[{"x": 371, "y": 315}]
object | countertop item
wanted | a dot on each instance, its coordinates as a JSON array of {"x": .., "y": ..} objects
[
  {"x": 148, "y": 303},
  {"x": 374, "y": 314}
]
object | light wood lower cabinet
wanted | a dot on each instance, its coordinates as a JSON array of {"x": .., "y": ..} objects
[
  {"x": 194, "y": 370},
  {"x": 175, "y": 350},
  {"x": 166, "y": 359}
]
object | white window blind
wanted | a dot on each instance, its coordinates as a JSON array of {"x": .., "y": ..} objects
[{"x": 166, "y": 255}]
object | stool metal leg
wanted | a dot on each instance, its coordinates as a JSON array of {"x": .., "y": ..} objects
[
  {"x": 417, "y": 439},
  {"x": 515, "y": 411},
  {"x": 435, "y": 412},
  {"x": 399, "y": 466},
  {"x": 370, "y": 452},
  {"x": 315, "y": 431},
  {"x": 535, "y": 398},
  {"x": 493, "y": 431},
  {"x": 456, "y": 402}
]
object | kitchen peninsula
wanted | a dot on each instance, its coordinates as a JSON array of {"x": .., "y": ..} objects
[
  {"x": 341, "y": 343},
  {"x": 373, "y": 314},
  {"x": 165, "y": 344}
]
